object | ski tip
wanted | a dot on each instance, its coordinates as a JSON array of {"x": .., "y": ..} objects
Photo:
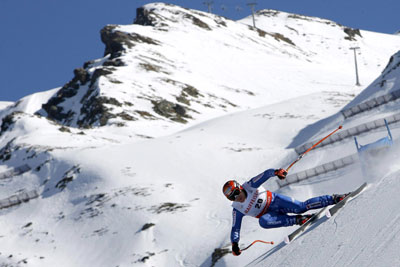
[
  {"x": 328, "y": 214},
  {"x": 286, "y": 240},
  {"x": 340, "y": 127}
]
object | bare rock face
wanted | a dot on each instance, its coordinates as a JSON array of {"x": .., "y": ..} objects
[
  {"x": 170, "y": 110},
  {"x": 114, "y": 40},
  {"x": 117, "y": 41},
  {"x": 351, "y": 33},
  {"x": 143, "y": 18},
  {"x": 70, "y": 89},
  {"x": 95, "y": 108}
]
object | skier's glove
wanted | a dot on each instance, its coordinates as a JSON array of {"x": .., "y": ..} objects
[
  {"x": 281, "y": 173},
  {"x": 235, "y": 249}
]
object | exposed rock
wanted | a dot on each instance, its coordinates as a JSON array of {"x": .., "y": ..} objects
[
  {"x": 145, "y": 258},
  {"x": 64, "y": 129},
  {"x": 143, "y": 17},
  {"x": 268, "y": 12},
  {"x": 55, "y": 112},
  {"x": 221, "y": 22},
  {"x": 8, "y": 121},
  {"x": 68, "y": 177},
  {"x": 281, "y": 37},
  {"x": 147, "y": 226},
  {"x": 169, "y": 207},
  {"x": 126, "y": 116},
  {"x": 351, "y": 33},
  {"x": 115, "y": 40},
  {"x": 170, "y": 110},
  {"x": 29, "y": 224},
  {"x": 81, "y": 75},
  {"x": 198, "y": 22},
  {"x": 190, "y": 90},
  {"x": 88, "y": 64},
  {"x": 94, "y": 110},
  {"x": 186, "y": 92},
  {"x": 150, "y": 67},
  {"x": 6, "y": 151},
  {"x": 145, "y": 115},
  {"x": 97, "y": 73},
  {"x": 115, "y": 63},
  {"x": 277, "y": 36}
]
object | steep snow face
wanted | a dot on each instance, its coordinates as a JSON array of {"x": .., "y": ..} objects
[
  {"x": 387, "y": 82},
  {"x": 177, "y": 66},
  {"x": 364, "y": 233},
  {"x": 29, "y": 104}
]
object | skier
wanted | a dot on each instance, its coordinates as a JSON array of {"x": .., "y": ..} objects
[{"x": 269, "y": 207}]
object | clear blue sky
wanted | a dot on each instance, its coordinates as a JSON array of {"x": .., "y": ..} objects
[{"x": 43, "y": 41}]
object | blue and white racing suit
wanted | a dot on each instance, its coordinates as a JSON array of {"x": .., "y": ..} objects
[{"x": 271, "y": 208}]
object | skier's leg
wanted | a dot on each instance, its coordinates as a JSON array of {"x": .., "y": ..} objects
[
  {"x": 285, "y": 204},
  {"x": 275, "y": 220}
]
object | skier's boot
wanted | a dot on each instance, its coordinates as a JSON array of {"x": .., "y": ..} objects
[
  {"x": 339, "y": 197},
  {"x": 302, "y": 218}
]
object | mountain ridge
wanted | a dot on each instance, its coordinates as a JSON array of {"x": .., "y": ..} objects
[
  {"x": 123, "y": 181},
  {"x": 94, "y": 106}
]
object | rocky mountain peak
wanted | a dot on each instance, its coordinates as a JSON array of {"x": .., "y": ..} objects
[{"x": 164, "y": 69}]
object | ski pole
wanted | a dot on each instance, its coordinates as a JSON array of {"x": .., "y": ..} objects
[
  {"x": 308, "y": 150},
  {"x": 255, "y": 241}
]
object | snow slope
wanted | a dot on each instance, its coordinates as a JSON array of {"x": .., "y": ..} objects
[
  {"x": 147, "y": 191},
  {"x": 175, "y": 66},
  {"x": 364, "y": 233}
]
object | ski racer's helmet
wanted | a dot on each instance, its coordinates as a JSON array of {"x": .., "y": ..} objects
[{"x": 232, "y": 189}]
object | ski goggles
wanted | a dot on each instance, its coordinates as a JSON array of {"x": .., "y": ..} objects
[{"x": 235, "y": 193}]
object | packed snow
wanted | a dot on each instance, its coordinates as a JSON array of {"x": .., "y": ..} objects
[{"x": 147, "y": 192}]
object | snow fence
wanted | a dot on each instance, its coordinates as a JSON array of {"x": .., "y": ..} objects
[
  {"x": 370, "y": 104},
  {"x": 321, "y": 169},
  {"x": 339, "y": 163},
  {"x": 18, "y": 199},
  {"x": 351, "y": 132}
]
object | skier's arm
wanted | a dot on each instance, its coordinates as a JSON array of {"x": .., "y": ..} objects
[
  {"x": 258, "y": 180},
  {"x": 235, "y": 233}
]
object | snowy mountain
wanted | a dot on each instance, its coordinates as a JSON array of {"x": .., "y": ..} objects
[
  {"x": 128, "y": 158},
  {"x": 175, "y": 66}
]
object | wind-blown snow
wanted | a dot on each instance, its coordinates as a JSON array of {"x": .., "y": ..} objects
[
  {"x": 365, "y": 233},
  {"x": 149, "y": 193}
]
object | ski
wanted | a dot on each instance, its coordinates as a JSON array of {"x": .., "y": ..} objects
[
  {"x": 306, "y": 225},
  {"x": 331, "y": 211},
  {"x": 326, "y": 211}
]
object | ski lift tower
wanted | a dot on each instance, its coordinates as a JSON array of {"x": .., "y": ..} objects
[
  {"x": 355, "y": 61},
  {"x": 252, "y": 5},
  {"x": 209, "y": 5}
]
